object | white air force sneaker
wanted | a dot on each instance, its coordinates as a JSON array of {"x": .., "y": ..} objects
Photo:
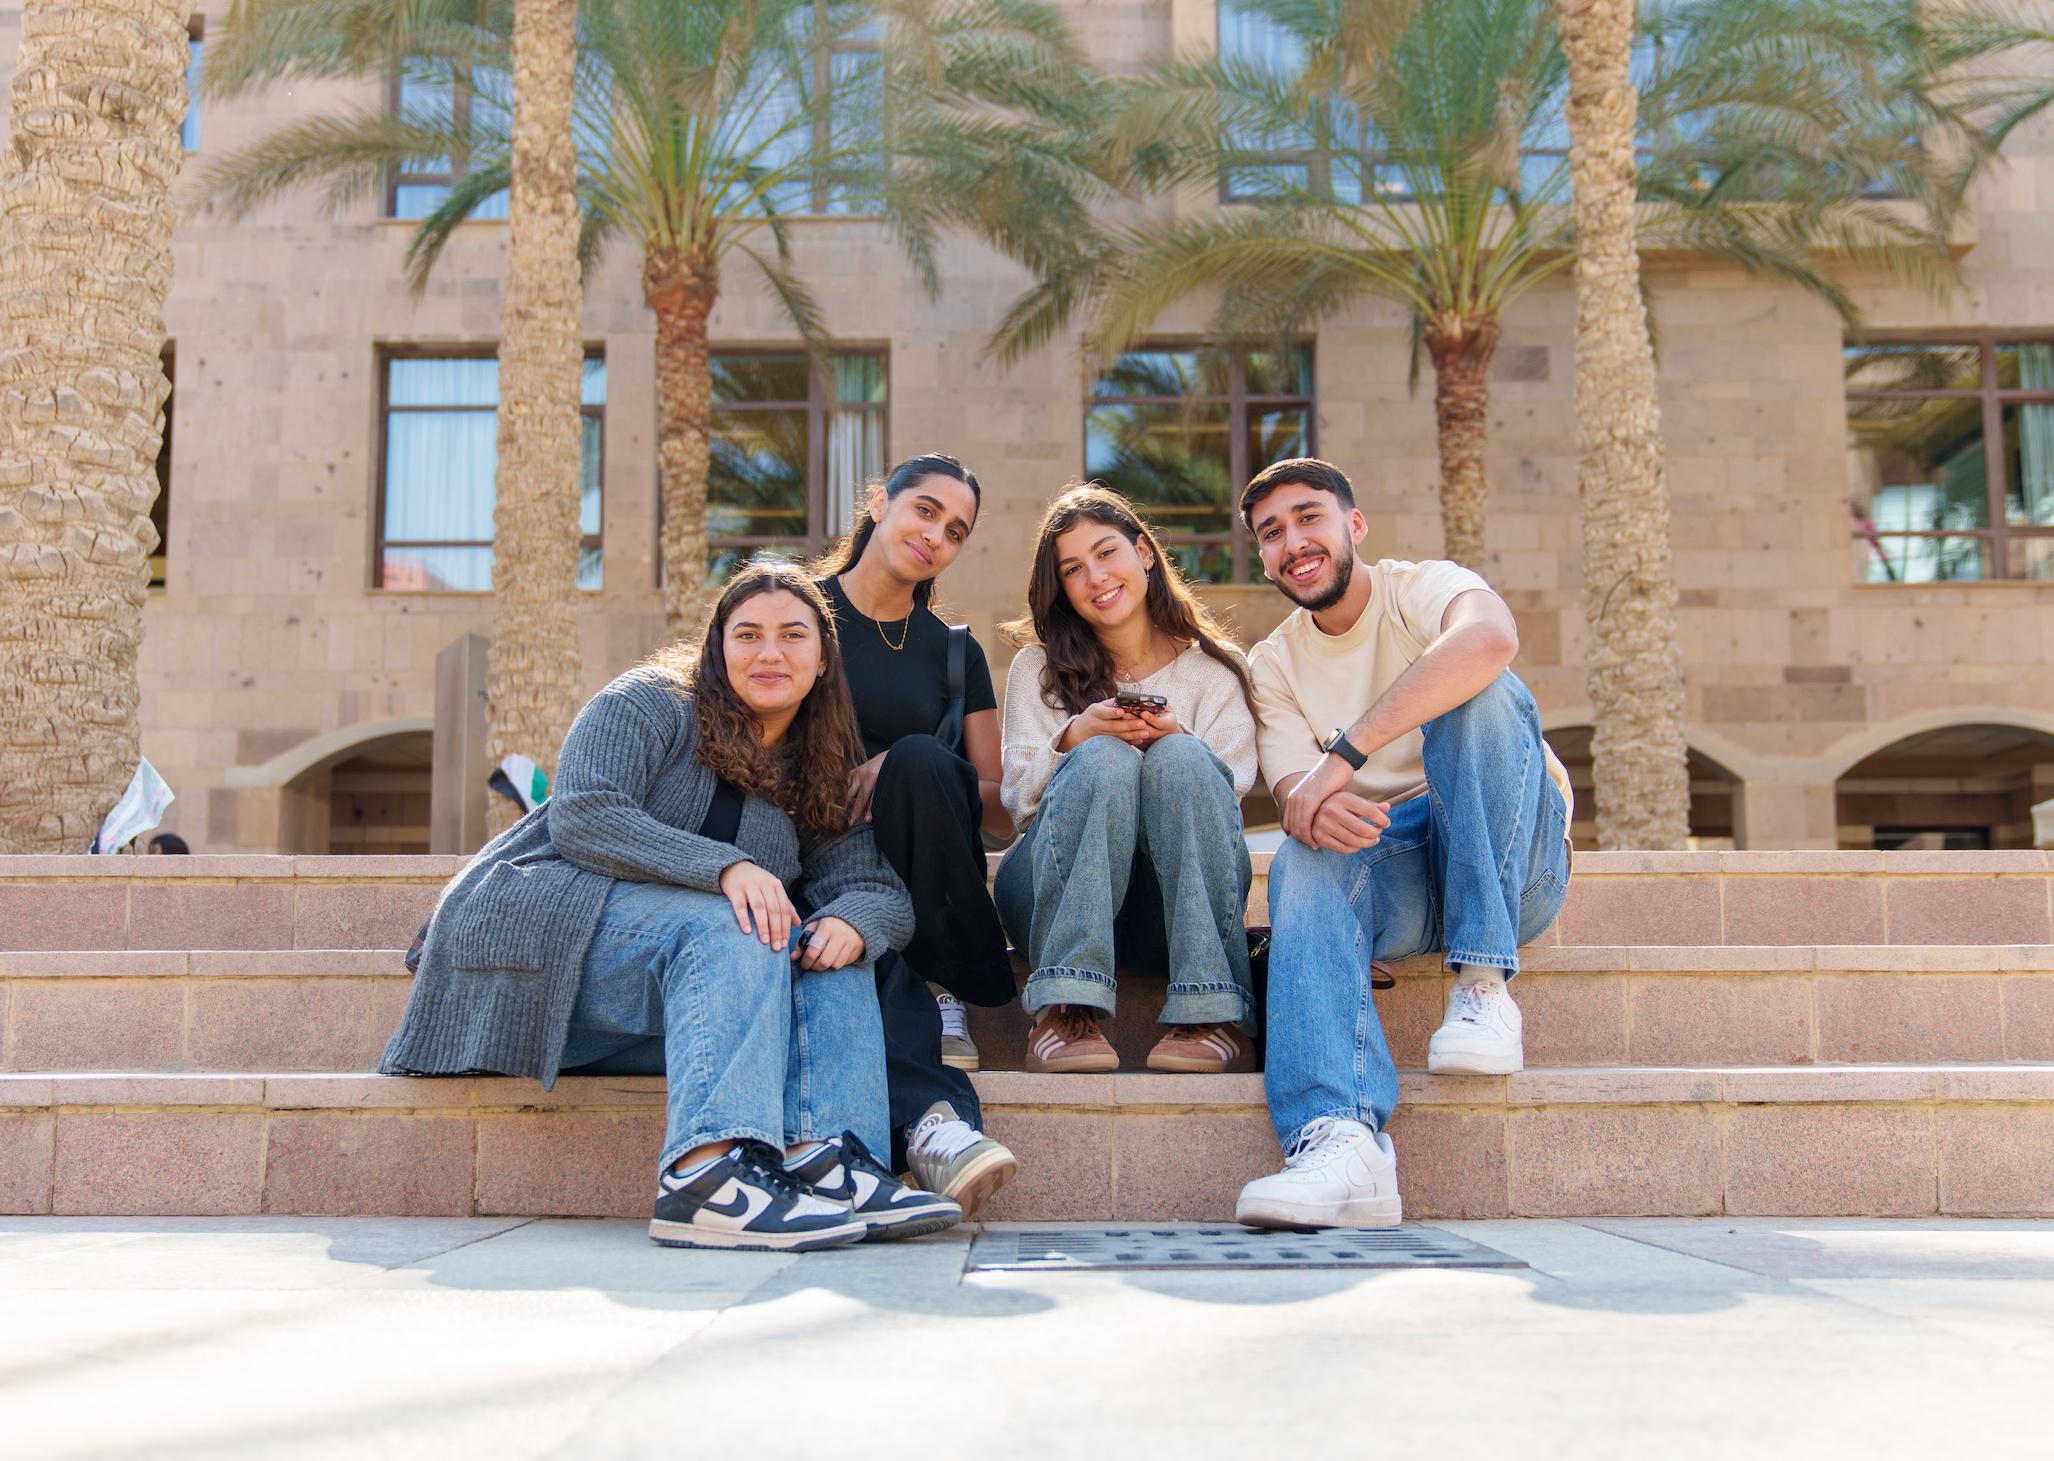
[
  {"x": 1338, "y": 1174},
  {"x": 1482, "y": 1033}
]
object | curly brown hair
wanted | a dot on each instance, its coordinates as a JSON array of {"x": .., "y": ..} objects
[
  {"x": 1078, "y": 671},
  {"x": 808, "y": 775}
]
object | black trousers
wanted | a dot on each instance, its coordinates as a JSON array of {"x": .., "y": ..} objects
[{"x": 924, "y": 814}]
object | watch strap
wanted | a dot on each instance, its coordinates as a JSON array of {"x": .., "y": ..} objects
[{"x": 1338, "y": 744}]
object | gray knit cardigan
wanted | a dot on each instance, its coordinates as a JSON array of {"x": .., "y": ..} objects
[{"x": 506, "y": 946}]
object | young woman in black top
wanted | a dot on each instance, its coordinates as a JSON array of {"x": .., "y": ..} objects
[{"x": 929, "y": 791}]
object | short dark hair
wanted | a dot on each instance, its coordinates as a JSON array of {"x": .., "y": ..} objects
[{"x": 1303, "y": 471}]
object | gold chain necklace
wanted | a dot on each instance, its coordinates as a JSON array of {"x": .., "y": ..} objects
[{"x": 904, "y": 634}]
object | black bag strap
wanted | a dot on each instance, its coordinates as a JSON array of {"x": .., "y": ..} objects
[{"x": 950, "y": 731}]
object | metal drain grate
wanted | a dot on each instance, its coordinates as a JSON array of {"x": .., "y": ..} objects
[{"x": 1050, "y": 1248}]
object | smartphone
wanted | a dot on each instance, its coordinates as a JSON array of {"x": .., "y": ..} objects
[{"x": 1139, "y": 703}]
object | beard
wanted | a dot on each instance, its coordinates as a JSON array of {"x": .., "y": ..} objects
[{"x": 1319, "y": 601}]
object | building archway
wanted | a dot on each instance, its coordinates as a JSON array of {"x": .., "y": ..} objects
[
  {"x": 1962, "y": 786},
  {"x": 365, "y": 796},
  {"x": 1713, "y": 793}
]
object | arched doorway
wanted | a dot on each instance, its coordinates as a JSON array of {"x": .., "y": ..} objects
[
  {"x": 369, "y": 797},
  {"x": 1956, "y": 787},
  {"x": 1711, "y": 794}
]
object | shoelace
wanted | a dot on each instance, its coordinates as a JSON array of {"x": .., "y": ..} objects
[
  {"x": 766, "y": 1166},
  {"x": 955, "y": 1024},
  {"x": 1073, "y": 1023},
  {"x": 944, "y": 1139},
  {"x": 1471, "y": 1004},
  {"x": 1316, "y": 1145}
]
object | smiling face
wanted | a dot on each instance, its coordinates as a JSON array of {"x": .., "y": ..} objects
[
  {"x": 771, "y": 642},
  {"x": 921, "y": 530},
  {"x": 1307, "y": 541},
  {"x": 1104, "y": 573}
]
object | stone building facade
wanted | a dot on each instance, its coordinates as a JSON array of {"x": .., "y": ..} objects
[{"x": 288, "y": 662}]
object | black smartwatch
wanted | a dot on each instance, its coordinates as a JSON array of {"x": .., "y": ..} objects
[{"x": 1338, "y": 744}]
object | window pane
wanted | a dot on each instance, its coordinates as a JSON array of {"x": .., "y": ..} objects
[
  {"x": 756, "y": 485},
  {"x": 855, "y": 455},
  {"x": 190, "y": 133},
  {"x": 594, "y": 390},
  {"x": 588, "y": 478},
  {"x": 591, "y": 573},
  {"x": 463, "y": 570},
  {"x": 1201, "y": 562},
  {"x": 462, "y": 381},
  {"x": 1171, "y": 461},
  {"x": 739, "y": 378},
  {"x": 438, "y": 476},
  {"x": 1880, "y": 558},
  {"x": 1918, "y": 465},
  {"x": 1275, "y": 434},
  {"x": 2025, "y": 365},
  {"x": 430, "y": 104},
  {"x": 1173, "y": 373},
  {"x": 2029, "y": 448},
  {"x": 2030, "y": 558},
  {"x": 417, "y": 200},
  {"x": 1912, "y": 367},
  {"x": 722, "y": 563},
  {"x": 857, "y": 379},
  {"x": 1280, "y": 373}
]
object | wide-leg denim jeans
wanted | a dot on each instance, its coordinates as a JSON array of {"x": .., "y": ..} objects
[
  {"x": 1477, "y": 866},
  {"x": 750, "y": 1045},
  {"x": 1143, "y": 850}
]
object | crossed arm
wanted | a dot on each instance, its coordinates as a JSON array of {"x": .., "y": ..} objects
[{"x": 1478, "y": 640}]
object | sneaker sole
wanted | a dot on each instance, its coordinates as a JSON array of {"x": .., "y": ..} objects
[
  {"x": 1074, "y": 1064},
  {"x": 1191, "y": 1065},
  {"x": 684, "y": 1235},
  {"x": 1373, "y": 1212},
  {"x": 913, "y": 1225},
  {"x": 1474, "y": 1062},
  {"x": 961, "y": 1062},
  {"x": 978, "y": 1183}
]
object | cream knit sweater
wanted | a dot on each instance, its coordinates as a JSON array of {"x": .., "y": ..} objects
[{"x": 1205, "y": 697}]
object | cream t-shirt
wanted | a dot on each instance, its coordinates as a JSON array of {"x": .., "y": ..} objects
[{"x": 1307, "y": 682}]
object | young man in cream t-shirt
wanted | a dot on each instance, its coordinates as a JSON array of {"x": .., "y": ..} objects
[{"x": 1423, "y": 811}]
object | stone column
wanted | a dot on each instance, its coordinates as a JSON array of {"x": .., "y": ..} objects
[{"x": 1784, "y": 816}]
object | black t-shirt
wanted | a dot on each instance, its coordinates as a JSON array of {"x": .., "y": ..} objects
[
  {"x": 903, "y": 692},
  {"x": 723, "y": 821}
]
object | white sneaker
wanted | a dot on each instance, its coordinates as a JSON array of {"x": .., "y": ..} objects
[
  {"x": 1481, "y": 1034},
  {"x": 1338, "y": 1174},
  {"x": 957, "y": 1048}
]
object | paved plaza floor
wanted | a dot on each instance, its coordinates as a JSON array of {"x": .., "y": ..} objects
[{"x": 1645, "y": 1338}]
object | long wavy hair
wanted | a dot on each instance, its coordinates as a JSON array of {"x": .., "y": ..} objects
[
  {"x": 843, "y": 555},
  {"x": 808, "y": 775},
  {"x": 1079, "y": 671}
]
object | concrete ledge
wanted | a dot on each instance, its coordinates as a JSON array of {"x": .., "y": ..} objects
[{"x": 1893, "y": 1140}]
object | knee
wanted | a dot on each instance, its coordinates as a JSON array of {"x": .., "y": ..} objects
[
  {"x": 1503, "y": 708},
  {"x": 1182, "y": 766},
  {"x": 1302, "y": 874},
  {"x": 920, "y": 756},
  {"x": 1106, "y": 761}
]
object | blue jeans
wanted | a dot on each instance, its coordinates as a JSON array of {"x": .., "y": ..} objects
[
  {"x": 1476, "y": 865},
  {"x": 1143, "y": 850},
  {"x": 749, "y": 1044}
]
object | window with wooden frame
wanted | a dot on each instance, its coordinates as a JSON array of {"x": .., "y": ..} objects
[
  {"x": 793, "y": 444},
  {"x": 438, "y": 452},
  {"x": 418, "y": 191},
  {"x": 1179, "y": 429},
  {"x": 1951, "y": 457}
]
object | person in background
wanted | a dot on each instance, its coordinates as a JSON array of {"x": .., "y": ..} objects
[
  {"x": 1129, "y": 742},
  {"x": 928, "y": 791},
  {"x": 1422, "y": 811},
  {"x": 691, "y": 902}
]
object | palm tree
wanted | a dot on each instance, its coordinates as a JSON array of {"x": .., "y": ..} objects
[
  {"x": 85, "y": 263},
  {"x": 1633, "y": 664},
  {"x": 1415, "y": 154},
  {"x": 703, "y": 129},
  {"x": 532, "y": 671}
]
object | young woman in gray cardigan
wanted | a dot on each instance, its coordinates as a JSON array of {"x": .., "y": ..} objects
[{"x": 690, "y": 902}]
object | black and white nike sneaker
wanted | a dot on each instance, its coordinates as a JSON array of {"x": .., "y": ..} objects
[
  {"x": 844, "y": 1171},
  {"x": 745, "y": 1199}
]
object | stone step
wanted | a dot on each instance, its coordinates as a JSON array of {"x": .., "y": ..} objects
[
  {"x": 1639, "y": 898},
  {"x": 334, "y": 1009},
  {"x": 1901, "y": 1140}
]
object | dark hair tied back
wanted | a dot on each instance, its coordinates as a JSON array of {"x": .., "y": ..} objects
[{"x": 913, "y": 470}]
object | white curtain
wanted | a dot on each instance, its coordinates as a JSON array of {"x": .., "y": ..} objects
[
  {"x": 855, "y": 455},
  {"x": 2036, "y": 436}
]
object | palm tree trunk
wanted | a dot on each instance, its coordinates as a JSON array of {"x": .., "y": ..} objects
[
  {"x": 1461, "y": 348},
  {"x": 681, "y": 288},
  {"x": 533, "y": 671},
  {"x": 1634, "y": 665},
  {"x": 85, "y": 262}
]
